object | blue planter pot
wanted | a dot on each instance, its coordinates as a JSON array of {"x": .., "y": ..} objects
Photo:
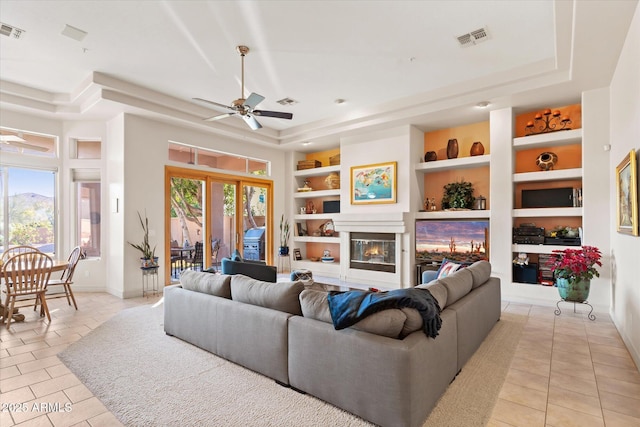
[
  {"x": 575, "y": 291},
  {"x": 283, "y": 250}
]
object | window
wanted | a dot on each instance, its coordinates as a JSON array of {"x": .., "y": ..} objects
[
  {"x": 216, "y": 159},
  {"x": 87, "y": 149},
  {"x": 88, "y": 223},
  {"x": 27, "y": 208},
  {"x": 27, "y": 144}
]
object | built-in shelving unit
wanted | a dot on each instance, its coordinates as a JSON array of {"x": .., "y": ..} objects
[
  {"x": 545, "y": 141},
  {"x": 310, "y": 243}
]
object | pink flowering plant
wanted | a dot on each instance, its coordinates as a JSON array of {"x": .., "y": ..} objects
[{"x": 576, "y": 264}]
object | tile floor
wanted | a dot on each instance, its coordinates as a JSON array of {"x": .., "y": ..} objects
[{"x": 567, "y": 370}]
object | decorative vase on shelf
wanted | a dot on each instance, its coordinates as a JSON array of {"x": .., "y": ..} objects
[
  {"x": 477, "y": 149},
  {"x": 332, "y": 181},
  {"x": 452, "y": 149},
  {"x": 547, "y": 160},
  {"x": 573, "y": 290},
  {"x": 430, "y": 156}
]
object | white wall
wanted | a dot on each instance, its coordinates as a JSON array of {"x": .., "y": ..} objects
[{"x": 624, "y": 137}]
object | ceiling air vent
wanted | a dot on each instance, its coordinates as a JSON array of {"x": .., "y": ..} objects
[
  {"x": 287, "y": 101},
  {"x": 474, "y": 37},
  {"x": 9, "y": 31}
]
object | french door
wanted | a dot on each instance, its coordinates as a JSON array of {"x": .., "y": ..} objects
[{"x": 217, "y": 212}]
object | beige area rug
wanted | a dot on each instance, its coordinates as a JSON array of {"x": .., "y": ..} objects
[{"x": 146, "y": 378}]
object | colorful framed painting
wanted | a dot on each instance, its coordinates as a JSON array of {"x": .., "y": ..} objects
[
  {"x": 374, "y": 183},
  {"x": 627, "y": 195}
]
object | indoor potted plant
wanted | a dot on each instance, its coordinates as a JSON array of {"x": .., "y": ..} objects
[
  {"x": 457, "y": 195},
  {"x": 149, "y": 258},
  {"x": 284, "y": 237},
  {"x": 573, "y": 270}
]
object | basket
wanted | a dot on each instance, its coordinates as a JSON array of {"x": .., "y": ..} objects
[
  {"x": 308, "y": 164},
  {"x": 334, "y": 160}
]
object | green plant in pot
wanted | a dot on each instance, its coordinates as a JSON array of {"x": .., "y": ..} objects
[
  {"x": 458, "y": 195},
  {"x": 149, "y": 258},
  {"x": 573, "y": 270},
  {"x": 284, "y": 236}
]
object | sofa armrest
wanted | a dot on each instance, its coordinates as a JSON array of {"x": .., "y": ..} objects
[{"x": 429, "y": 275}]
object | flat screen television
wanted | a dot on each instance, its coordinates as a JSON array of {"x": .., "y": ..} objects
[{"x": 461, "y": 240}]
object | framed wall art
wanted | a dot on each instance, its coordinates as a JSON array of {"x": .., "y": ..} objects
[
  {"x": 374, "y": 183},
  {"x": 627, "y": 195}
]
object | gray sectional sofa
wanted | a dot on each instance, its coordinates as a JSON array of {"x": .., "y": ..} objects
[{"x": 383, "y": 369}]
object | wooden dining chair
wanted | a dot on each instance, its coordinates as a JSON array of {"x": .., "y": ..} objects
[
  {"x": 66, "y": 279},
  {"x": 26, "y": 275},
  {"x": 15, "y": 250}
]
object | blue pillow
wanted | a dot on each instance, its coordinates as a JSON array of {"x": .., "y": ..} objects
[{"x": 236, "y": 256}]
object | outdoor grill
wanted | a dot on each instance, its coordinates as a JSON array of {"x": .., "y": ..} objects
[{"x": 254, "y": 244}]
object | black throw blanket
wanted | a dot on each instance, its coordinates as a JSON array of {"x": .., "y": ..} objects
[{"x": 348, "y": 308}]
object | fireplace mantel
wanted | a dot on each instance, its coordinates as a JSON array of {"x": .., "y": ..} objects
[{"x": 375, "y": 223}]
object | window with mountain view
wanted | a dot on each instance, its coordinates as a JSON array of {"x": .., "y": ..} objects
[{"x": 27, "y": 208}]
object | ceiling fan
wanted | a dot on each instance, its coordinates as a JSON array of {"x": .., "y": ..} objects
[
  {"x": 16, "y": 141},
  {"x": 245, "y": 108}
]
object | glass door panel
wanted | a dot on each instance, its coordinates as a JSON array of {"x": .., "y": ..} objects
[
  {"x": 223, "y": 228},
  {"x": 187, "y": 226},
  {"x": 255, "y": 222}
]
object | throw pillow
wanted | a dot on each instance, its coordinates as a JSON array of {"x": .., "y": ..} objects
[
  {"x": 447, "y": 268},
  {"x": 236, "y": 256}
]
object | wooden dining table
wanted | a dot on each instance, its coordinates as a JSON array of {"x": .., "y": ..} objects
[{"x": 58, "y": 265}]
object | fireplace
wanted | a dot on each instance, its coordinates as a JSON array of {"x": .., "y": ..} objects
[{"x": 373, "y": 251}]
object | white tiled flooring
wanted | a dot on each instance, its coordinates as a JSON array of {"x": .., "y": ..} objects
[{"x": 567, "y": 370}]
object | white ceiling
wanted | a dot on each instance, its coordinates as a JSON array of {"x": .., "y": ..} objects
[{"x": 394, "y": 62}]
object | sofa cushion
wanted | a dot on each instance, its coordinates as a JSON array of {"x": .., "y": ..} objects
[
  {"x": 282, "y": 296},
  {"x": 458, "y": 285},
  {"x": 447, "y": 267},
  {"x": 413, "y": 322},
  {"x": 481, "y": 271},
  {"x": 387, "y": 323},
  {"x": 207, "y": 283},
  {"x": 438, "y": 290},
  {"x": 314, "y": 305}
]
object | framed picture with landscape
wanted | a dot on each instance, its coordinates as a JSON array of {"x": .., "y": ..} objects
[
  {"x": 627, "y": 195},
  {"x": 374, "y": 183}
]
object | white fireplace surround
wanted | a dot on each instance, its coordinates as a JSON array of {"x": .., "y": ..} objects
[{"x": 395, "y": 222}]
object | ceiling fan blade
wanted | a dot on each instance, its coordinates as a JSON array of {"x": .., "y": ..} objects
[
  {"x": 276, "y": 114},
  {"x": 253, "y": 100},
  {"x": 251, "y": 121},
  {"x": 27, "y": 146},
  {"x": 214, "y": 103},
  {"x": 219, "y": 116}
]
